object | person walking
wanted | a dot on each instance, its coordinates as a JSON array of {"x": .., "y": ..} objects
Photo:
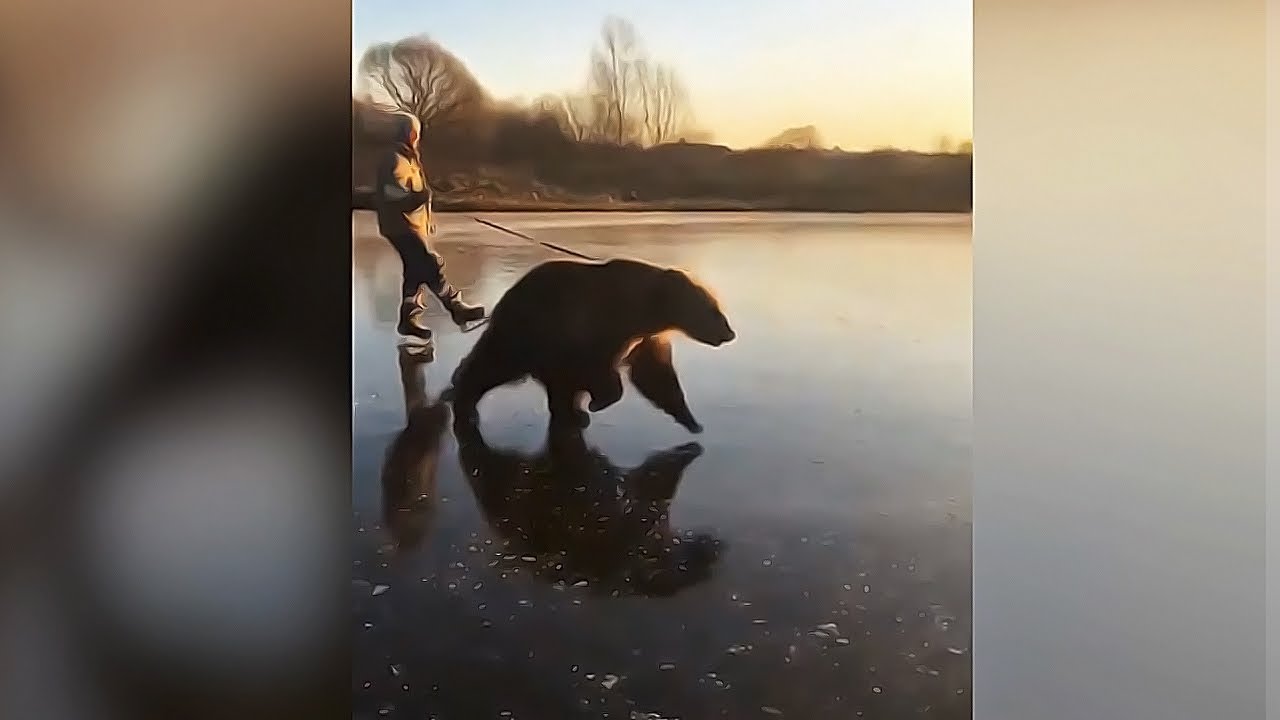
[{"x": 401, "y": 199}]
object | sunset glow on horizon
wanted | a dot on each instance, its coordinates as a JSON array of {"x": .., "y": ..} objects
[{"x": 865, "y": 73}]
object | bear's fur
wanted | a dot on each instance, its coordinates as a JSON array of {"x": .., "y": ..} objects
[{"x": 572, "y": 325}]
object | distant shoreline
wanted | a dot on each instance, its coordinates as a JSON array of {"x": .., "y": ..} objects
[
  {"x": 362, "y": 201},
  {"x": 514, "y": 206}
]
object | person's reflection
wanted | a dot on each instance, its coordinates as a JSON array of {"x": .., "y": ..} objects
[
  {"x": 409, "y": 472},
  {"x": 569, "y": 515}
]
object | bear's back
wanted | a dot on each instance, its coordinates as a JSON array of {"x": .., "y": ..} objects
[{"x": 556, "y": 291}]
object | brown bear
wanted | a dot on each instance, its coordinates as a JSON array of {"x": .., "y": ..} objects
[{"x": 572, "y": 325}]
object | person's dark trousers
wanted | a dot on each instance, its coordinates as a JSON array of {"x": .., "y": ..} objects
[{"x": 424, "y": 267}]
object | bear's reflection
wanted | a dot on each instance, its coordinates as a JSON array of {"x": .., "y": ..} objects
[
  {"x": 570, "y": 516},
  {"x": 409, "y": 472}
]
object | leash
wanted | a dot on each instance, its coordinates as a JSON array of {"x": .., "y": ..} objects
[
  {"x": 558, "y": 248},
  {"x": 543, "y": 243}
]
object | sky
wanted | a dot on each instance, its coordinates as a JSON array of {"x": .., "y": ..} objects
[{"x": 866, "y": 73}]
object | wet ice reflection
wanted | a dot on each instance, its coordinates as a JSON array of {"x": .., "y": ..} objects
[{"x": 809, "y": 559}]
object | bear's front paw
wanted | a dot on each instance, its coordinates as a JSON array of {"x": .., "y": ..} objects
[
  {"x": 690, "y": 424},
  {"x": 597, "y": 404}
]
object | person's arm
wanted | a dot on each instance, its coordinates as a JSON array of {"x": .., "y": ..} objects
[
  {"x": 399, "y": 181},
  {"x": 403, "y": 189}
]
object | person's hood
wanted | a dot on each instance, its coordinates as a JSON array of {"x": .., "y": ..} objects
[
  {"x": 407, "y": 132},
  {"x": 377, "y": 125}
]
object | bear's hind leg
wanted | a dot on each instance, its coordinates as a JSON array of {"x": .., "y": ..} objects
[{"x": 476, "y": 381}]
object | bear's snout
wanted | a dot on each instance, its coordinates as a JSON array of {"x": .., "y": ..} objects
[{"x": 725, "y": 335}]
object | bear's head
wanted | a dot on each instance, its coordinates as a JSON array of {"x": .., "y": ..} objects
[{"x": 692, "y": 309}]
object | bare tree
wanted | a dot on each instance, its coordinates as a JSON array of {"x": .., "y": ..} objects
[
  {"x": 613, "y": 74},
  {"x": 666, "y": 104},
  {"x": 632, "y": 99},
  {"x": 573, "y": 113},
  {"x": 420, "y": 77},
  {"x": 642, "y": 76}
]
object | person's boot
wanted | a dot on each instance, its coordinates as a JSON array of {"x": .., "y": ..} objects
[
  {"x": 412, "y": 328},
  {"x": 459, "y": 310}
]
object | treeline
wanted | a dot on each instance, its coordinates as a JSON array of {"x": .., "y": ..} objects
[{"x": 628, "y": 136}]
